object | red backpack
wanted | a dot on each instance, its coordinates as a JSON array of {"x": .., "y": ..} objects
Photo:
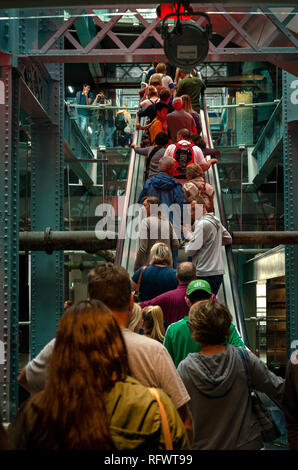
[{"x": 183, "y": 157}]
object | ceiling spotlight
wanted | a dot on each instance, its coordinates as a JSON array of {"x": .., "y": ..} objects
[
  {"x": 186, "y": 44},
  {"x": 70, "y": 89}
]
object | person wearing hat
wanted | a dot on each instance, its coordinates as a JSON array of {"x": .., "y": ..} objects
[{"x": 178, "y": 340}]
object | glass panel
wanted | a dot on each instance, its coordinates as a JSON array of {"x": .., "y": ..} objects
[
  {"x": 103, "y": 123},
  {"x": 236, "y": 127}
]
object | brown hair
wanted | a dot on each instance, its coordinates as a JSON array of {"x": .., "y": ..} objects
[
  {"x": 209, "y": 322},
  {"x": 187, "y": 106},
  {"x": 153, "y": 322},
  {"x": 152, "y": 91},
  {"x": 186, "y": 272},
  {"x": 161, "y": 68},
  {"x": 154, "y": 201},
  {"x": 110, "y": 283},
  {"x": 89, "y": 357},
  {"x": 198, "y": 140},
  {"x": 194, "y": 171},
  {"x": 184, "y": 133},
  {"x": 164, "y": 95}
]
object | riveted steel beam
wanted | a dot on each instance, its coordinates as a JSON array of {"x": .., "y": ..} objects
[
  {"x": 47, "y": 198},
  {"x": 290, "y": 146},
  {"x": 148, "y": 55},
  {"x": 9, "y": 233},
  {"x": 133, "y": 3}
]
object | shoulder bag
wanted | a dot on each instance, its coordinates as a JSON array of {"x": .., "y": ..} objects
[
  {"x": 164, "y": 420},
  {"x": 136, "y": 295},
  {"x": 269, "y": 430}
]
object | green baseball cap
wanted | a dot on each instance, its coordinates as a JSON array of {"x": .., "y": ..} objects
[{"x": 199, "y": 284}]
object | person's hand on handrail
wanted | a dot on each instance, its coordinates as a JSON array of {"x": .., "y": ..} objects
[{"x": 142, "y": 128}]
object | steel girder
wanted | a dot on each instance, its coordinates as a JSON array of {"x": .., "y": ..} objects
[
  {"x": 47, "y": 197},
  {"x": 274, "y": 40},
  {"x": 9, "y": 234},
  {"x": 103, "y": 4},
  {"x": 290, "y": 146}
]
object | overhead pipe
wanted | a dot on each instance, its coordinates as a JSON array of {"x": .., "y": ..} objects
[
  {"x": 265, "y": 238},
  {"x": 50, "y": 241}
]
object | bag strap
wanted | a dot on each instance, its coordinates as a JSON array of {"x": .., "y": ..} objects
[
  {"x": 243, "y": 355},
  {"x": 140, "y": 280},
  {"x": 164, "y": 420}
]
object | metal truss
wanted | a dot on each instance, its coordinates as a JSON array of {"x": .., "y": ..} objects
[{"x": 261, "y": 36}]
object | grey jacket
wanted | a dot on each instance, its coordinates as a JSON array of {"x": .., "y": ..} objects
[
  {"x": 222, "y": 414},
  {"x": 205, "y": 245},
  {"x": 153, "y": 168}
]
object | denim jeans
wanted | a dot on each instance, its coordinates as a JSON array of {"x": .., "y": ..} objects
[{"x": 83, "y": 122}]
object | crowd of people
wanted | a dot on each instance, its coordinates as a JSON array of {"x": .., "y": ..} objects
[
  {"x": 153, "y": 360},
  {"x": 108, "y": 127},
  {"x": 94, "y": 385}
]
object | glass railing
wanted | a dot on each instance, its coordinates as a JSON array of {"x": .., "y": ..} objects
[
  {"x": 239, "y": 123},
  {"x": 250, "y": 204},
  {"x": 104, "y": 125}
]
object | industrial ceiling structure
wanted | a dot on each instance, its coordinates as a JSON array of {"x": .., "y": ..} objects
[{"x": 128, "y": 34}]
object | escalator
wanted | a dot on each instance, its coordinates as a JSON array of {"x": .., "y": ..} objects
[{"x": 128, "y": 244}]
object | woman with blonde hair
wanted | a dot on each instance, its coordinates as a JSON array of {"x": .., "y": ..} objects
[
  {"x": 197, "y": 186},
  {"x": 153, "y": 324},
  {"x": 187, "y": 106},
  {"x": 156, "y": 81},
  {"x": 123, "y": 125},
  {"x": 135, "y": 322},
  {"x": 152, "y": 97},
  {"x": 90, "y": 402},
  {"x": 157, "y": 278}
]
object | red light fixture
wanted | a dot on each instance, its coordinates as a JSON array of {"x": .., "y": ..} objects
[{"x": 166, "y": 9}]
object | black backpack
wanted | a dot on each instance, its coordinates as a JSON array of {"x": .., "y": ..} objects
[
  {"x": 120, "y": 122},
  {"x": 183, "y": 156}
]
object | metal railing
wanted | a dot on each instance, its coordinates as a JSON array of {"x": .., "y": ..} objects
[{"x": 230, "y": 285}]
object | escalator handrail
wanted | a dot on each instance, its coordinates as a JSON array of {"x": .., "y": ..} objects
[{"x": 232, "y": 273}]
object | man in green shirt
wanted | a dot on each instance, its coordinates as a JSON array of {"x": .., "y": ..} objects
[
  {"x": 178, "y": 340},
  {"x": 192, "y": 87}
]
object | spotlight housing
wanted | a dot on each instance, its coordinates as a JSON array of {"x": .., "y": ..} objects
[{"x": 186, "y": 44}]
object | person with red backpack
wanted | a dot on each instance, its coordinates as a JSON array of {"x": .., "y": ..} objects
[{"x": 185, "y": 153}]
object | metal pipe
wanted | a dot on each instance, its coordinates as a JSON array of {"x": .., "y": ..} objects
[
  {"x": 91, "y": 242},
  {"x": 265, "y": 238},
  {"x": 76, "y": 240},
  {"x": 83, "y": 265}
]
